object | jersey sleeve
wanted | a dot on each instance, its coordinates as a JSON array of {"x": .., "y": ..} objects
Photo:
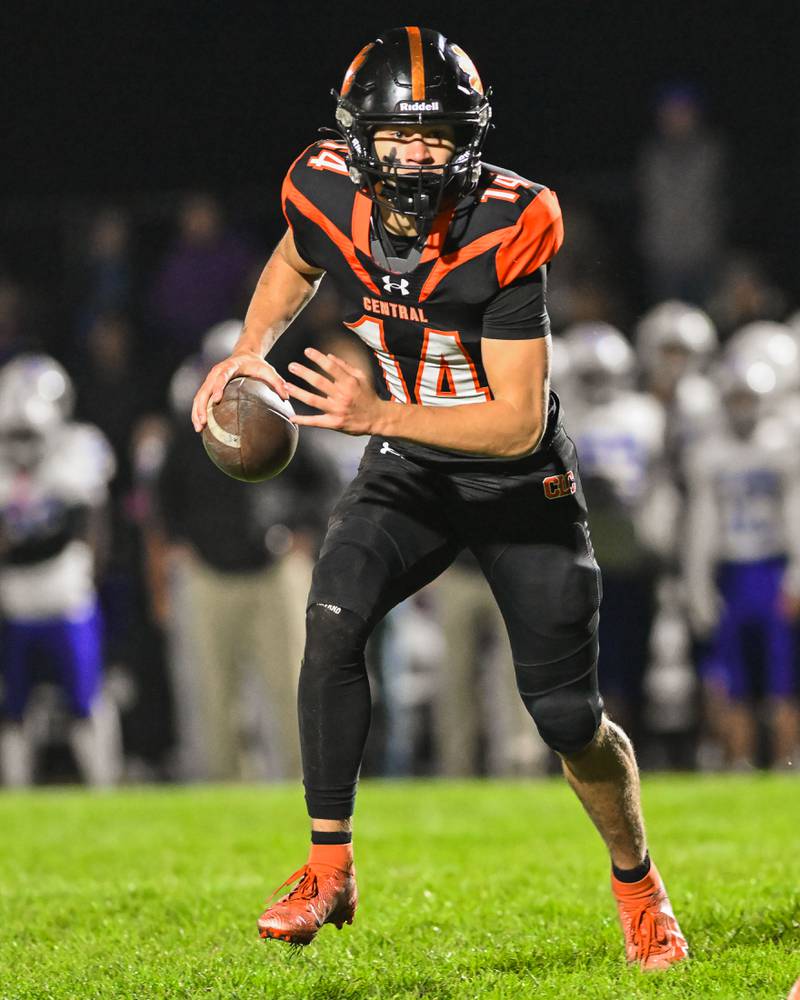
[
  {"x": 532, "y": 241},
  {"x": 317, "y": 197},
  {"x": 297, "y": 221},
  {"x": 519, "y": 311}
]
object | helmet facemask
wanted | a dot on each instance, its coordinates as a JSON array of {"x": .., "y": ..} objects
[{"x": 415, "y": 191}]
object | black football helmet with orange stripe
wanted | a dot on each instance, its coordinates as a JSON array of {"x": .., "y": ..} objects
[{"x": 407, "y": 76}]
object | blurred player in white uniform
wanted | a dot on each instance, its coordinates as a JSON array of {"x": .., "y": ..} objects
[
  {"x": 743, "y": 551},
  {"x": 54, "y": 475},
  {"x": 675, "y": 343},
  {"x": 619, "y": 433}
]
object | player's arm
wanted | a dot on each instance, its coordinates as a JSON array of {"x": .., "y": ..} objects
[
  {"x": 509, "y": 426},
  {"x": 700, "y": 553},
  {"x": 790, "y": 595},
  {"x": 286, "y": 284},
  {"x": 515, "y": 348}
]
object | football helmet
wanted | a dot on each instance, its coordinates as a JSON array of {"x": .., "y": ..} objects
[
  {"x": 676, "y": 325},
  {"x": 749, "y": 387},
  {"x": 36, "y": 395},
  {"x": 601, "y": 359},
  {"x": 761, "y": 345},
  {"x": 599, "y": 349},
  {"x": 218, "y": 342},
  {"x": 746, "y": 377},
  {"x": 413, "y": 76},
  {"x": 185, "y": 382}
]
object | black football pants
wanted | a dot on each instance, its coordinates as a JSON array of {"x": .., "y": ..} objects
[{"x": 398, "y": 526}]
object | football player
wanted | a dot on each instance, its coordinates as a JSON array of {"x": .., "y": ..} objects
[
  {"x": 54, "y": 475},
  {"x": 674, "y": 344},
  {"x": 619, "y": 434},
  {"x": 743, "y": 552},
  {"x": 441, "y": 263}
]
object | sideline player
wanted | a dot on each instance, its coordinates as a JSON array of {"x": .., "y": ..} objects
[
  {"x": 54, "y": 475},
  {"x": 440, "y": 261}
]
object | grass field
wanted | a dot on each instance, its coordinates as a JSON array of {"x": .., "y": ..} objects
[{"x": 468, "y": 890}]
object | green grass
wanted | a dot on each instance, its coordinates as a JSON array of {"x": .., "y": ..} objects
[{"x": 468, "y": 890}]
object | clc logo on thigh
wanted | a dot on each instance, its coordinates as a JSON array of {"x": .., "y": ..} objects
[{"x": 562, "y": 485}]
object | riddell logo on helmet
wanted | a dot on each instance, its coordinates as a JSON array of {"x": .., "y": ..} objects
[{"x": 418, "y": 106}]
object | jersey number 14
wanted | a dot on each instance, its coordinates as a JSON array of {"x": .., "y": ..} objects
[{"x": 446, "y": 375}]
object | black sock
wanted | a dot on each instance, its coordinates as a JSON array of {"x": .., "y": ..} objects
[
  {"x": 331, "y": 837},
  {"x": 633, "y": 874}
]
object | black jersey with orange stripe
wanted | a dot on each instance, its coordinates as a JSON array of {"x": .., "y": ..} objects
[{"x": 424, "y": 326}]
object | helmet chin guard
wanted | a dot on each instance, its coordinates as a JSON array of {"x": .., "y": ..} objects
[{"x": 411, "y": 76}]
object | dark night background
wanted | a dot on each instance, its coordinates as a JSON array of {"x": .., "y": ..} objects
[
  {"x": 119, "y": 99},
  {"x": 115, "y": 111}
]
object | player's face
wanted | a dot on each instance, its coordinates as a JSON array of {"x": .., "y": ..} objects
[
  {"x": 23, "y": 448},
  {"x": 744, "y": 410},
  {"x": 674, "y": 363},
  {"x": 414, "y": 146}
]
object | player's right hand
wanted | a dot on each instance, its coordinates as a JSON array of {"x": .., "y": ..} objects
[
  {"x": 704, "y": 610},
  {"x": 244, "y": 363}
]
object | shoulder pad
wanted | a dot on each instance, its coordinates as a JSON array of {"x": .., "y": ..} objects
[
  {"x": 531, "y": 217},
  {"x": 317, "y": 177},
  {"x": 648, "y": 418},
  {"x": 82, "y": 463}
]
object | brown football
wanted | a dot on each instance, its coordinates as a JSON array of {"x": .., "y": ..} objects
[{"x": 249, "y": 434}]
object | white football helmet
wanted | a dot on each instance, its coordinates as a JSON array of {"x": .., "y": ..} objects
[
  {"x": 220, "y": 340},
  {"x": 763, "y": 345},
  {"x": 746, "y": 377},
  {"x": 750, "y": 388},
  {"x": 599, "y": 349},
  {"x": 185, "y": 382},
  {"x": 793, "y": 322},
  {"x": 679, "y": 326},
  {"x": 601, "y": 359},
  {"x": 36, "y": 395},
  {"x": 217, "y": 344}
]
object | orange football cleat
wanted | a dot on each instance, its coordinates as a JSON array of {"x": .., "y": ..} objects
[
  {"x": 794, "y": 992},
  {"x": 324, "y": 894},
  {"x": 653, "y": 938}
]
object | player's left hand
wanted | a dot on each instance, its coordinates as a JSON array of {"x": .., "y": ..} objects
[{"x": 345, "y": 395}]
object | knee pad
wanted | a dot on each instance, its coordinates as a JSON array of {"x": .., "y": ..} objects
[
  {"x": 567, "y": 719},
  {"x": 563, "y": 699},
  {"x": 356, "y": 565},
  {"x": 335, "y": 637}
]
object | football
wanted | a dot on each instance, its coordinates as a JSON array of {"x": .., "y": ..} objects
[{"x": 249, "y": 434}]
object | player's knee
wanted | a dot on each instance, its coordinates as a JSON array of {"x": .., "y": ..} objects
[
  {"x": 567, "y": 720},
  {"x": 335, "y": 637},
  {"x": 563, "y": 699}
]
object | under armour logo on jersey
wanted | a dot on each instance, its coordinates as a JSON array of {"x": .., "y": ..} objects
[{"x": 391, "y": 286}]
